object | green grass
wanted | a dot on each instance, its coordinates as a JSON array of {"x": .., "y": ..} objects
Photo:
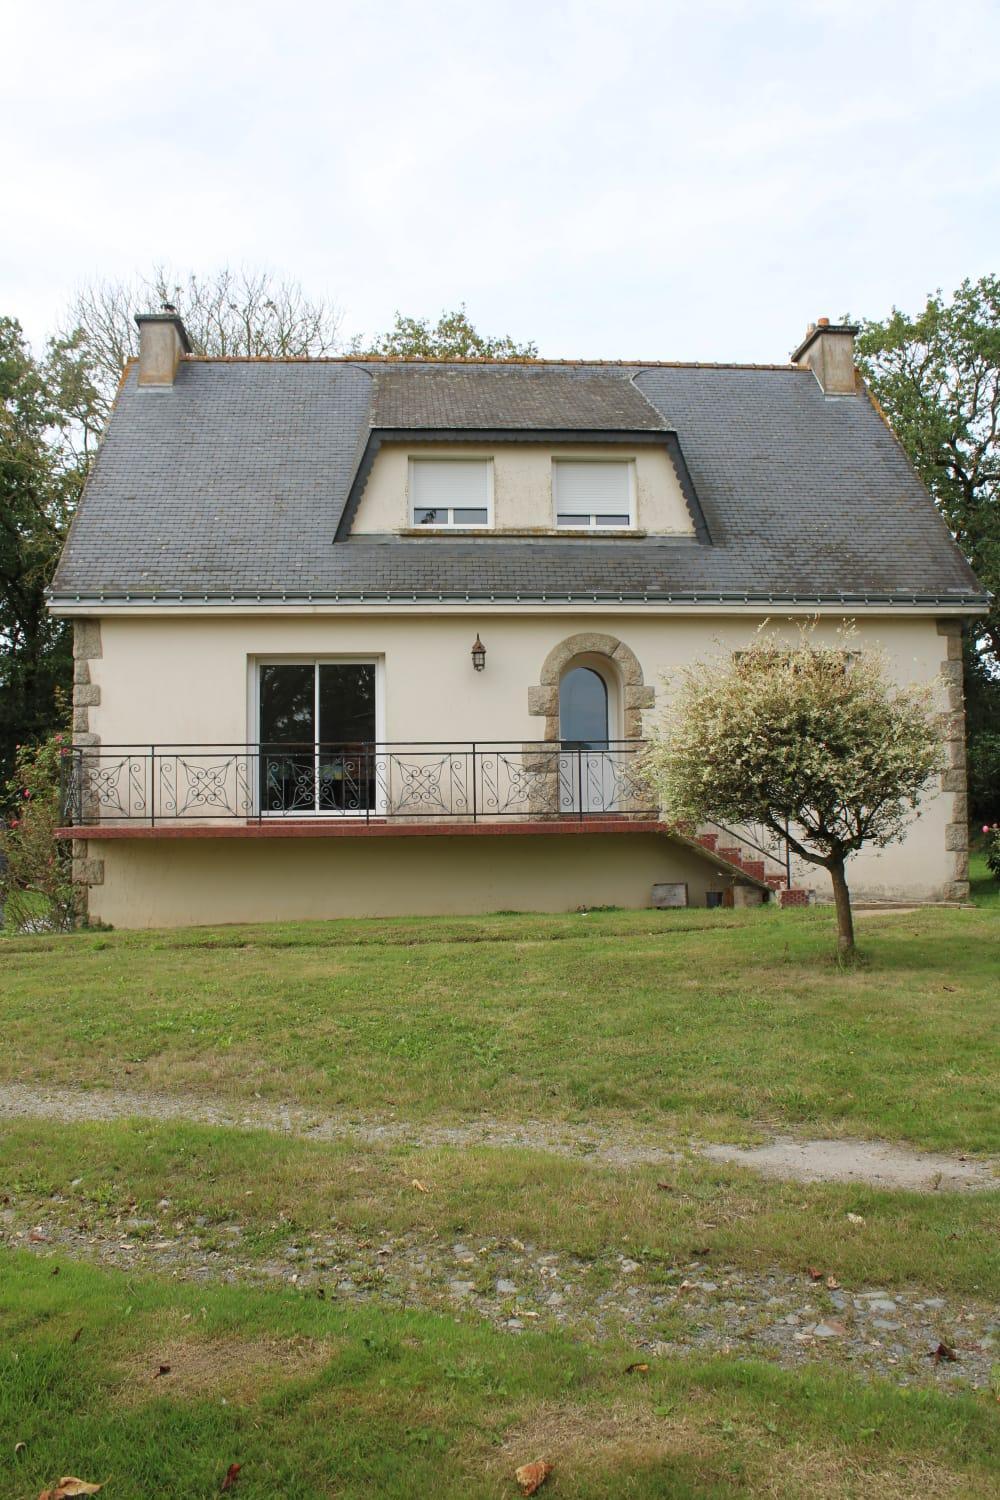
[
  {"x": 663, "y": 1025},
  {"x": 692, "y": 1022},
  {"x": 278, "y": 1189},
  {"x": 985, "y": 888},
  {"x": 314, "y": 1400}
]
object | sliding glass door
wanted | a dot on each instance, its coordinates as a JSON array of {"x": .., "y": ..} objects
[{"x": 317, "y": 732}]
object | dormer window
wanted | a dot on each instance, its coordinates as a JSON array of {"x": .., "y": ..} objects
[
  {"x": 452, "y": 492},
  {"x": 594, "y": 495}
]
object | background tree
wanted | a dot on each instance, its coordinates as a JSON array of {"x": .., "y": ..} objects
[
  {"x": 937, "y": 377},
  {"x": 452, "y": 337},
  {"x": 811, "y": 738},
  {"x": 41, "y": 472},
  {"x": 226, "y": 312}
]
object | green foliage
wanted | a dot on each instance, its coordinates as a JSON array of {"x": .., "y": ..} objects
[
  {"x": 937, "y": 377},
  {"x": 41, "y": 474},
  {"x": 984, "y": 777},
  {"x": 810, "y": 735},
  {"x": 36, "y": 889},
  {"x": 812, "y": 741},
  {"x": 452, "y": 337},
  {"x": 992, "y": 834}
]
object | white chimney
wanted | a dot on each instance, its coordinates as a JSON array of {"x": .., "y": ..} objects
[
  {"x": 162, "y": 340},
  {"x": 828, "y": 350}
]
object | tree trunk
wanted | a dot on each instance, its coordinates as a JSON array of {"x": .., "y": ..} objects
[{"x": 845, "y": 921}]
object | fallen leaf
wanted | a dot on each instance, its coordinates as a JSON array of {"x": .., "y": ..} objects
[
  {"x": 815, "y": 1274},
  {"x": 68, "y": 1487},
  {"x": 76, "y": 1335},
  {"x": 833, "y": 1285},
  {"x": 419, "y": 1186},
  {"x": 855, "y": 1219},
  {"x": 19, "y": 1448},
  {"x": 36, "y": 1237},
  {"x": 639, "y": 1368},
  {"x": 532, "y": 1476},
  {"x": 232, "y": 1474},
  {"x": 666, "y": 1187},
  {"x": 943, "y": 1352},
  {"x": 687, "y": 1286}
]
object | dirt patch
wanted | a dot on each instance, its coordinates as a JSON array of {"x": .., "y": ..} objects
[
  {"x": 587, "y": 1441},
  {"x": 875, "y": 1163},
  {"x": 590, "y": 1441},
  {"x": 186, "y": 1366}
]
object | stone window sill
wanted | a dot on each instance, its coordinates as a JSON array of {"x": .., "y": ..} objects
[{"x": 603, "y": 532}]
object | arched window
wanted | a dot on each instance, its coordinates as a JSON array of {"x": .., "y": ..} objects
[{"x": 583, "y": 709}]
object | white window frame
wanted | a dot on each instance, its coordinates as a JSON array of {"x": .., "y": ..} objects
[
  {"x": 254, "y": 664},
  {"x": 591, "y": 523},
  {"x": 450, "y": 524}
]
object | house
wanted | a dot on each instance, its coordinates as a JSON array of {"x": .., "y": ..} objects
[{"x": 373, "y": 637}]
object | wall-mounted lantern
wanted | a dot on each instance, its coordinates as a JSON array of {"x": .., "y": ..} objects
[{"x": 479, "y": 654}]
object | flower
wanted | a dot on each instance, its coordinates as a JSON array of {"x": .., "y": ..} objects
[{"x": 986, "y": 828}]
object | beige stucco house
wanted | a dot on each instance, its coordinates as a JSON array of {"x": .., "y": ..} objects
[{"x": 372, "y": 637}]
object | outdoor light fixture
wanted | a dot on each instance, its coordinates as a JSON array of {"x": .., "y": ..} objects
[{"x": 479, "y": 654}]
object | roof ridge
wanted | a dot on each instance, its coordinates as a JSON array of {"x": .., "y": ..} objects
[{"x": 397, "y": 361}]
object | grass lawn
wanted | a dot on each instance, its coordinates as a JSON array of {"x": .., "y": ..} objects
[
  {"x": 659, "y": 1027},
  {"x": 318, "y": 1400},
  {"x": 718, "y": 1024}
]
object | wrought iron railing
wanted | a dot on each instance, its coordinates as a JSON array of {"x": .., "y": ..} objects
[{"x": 471, "y": 781}]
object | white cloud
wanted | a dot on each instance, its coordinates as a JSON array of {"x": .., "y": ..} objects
[{"x": 637, "y": 178}]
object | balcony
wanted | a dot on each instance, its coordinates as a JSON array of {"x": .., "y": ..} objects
[{"x": 271, "y": 787}]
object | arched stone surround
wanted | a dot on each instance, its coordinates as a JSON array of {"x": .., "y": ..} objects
[{"x": 543, "y": 699}]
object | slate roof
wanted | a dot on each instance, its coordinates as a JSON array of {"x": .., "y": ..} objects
[{"x": 231, "y": 484}]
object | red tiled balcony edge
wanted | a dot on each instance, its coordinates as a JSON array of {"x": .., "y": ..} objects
[{"x": 319, "y": 828}]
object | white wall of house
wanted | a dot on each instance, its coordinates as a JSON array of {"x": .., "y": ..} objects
[
  {"x": 173, "y": 679},
  {"x": 522, "y": 486}
]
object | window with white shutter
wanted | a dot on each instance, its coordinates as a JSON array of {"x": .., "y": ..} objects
[
  {"x": 451, "y": 491},
  {"x": 593, "y": 495}
]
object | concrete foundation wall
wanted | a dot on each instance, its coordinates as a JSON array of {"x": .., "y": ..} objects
[{"x": 205, "y": 881}]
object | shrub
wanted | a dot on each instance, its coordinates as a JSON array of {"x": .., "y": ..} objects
[
  {"x": 992, "y": 836},
  {"x": 36, "y": 886}
]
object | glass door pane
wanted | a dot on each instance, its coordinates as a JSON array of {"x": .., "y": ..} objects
[
  {"x": 586, "y": 775},
  {"x": 347, "y": 736},
  {"x": 287, "y": 738},
  {"x": 583, "y": 710}
]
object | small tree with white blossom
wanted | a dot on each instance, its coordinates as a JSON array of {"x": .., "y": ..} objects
[{"x": 811, "y": 740}]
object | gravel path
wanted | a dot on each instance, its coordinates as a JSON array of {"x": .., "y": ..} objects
[
  {"x": 662, "y": 1311},
  {"x": 694, "y": 1308},
  {"x": 879, "y": 1163}
]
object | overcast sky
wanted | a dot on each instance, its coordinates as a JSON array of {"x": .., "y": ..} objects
[{"x": 622, "y": 180}]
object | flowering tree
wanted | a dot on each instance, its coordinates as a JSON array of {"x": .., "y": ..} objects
[
  {"x": 813, "y": 738},
  {"x": 36, "y": 887}
]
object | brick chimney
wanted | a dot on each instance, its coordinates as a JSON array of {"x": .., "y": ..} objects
[
  {"x": 162, "y": 340},
  {"x": 828, "y": 350}
]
